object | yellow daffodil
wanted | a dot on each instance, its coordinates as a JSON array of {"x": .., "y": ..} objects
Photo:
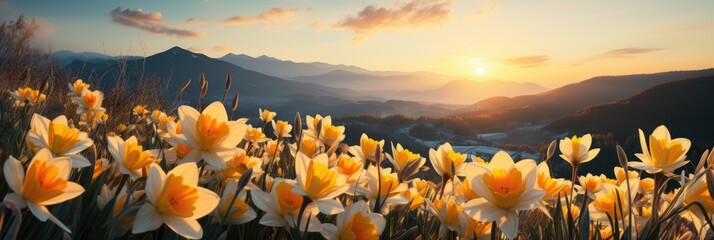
[
  {"x": 402, "y": 158},
  {"x": 620, "y": 175},
  {"x": 472, "y": 229},
  {"x": 89, "y": 102},
  {"x": 698, "y": 191},
  {"x": 450, "y": 214},
  {"x": 505, "y": 188},
  {"x": 353, "y": 169},
  {"x": 140, "y": 110},
  {"x": 265, "y": 115},
  {"x": 412, "y": 195},
  {"x": 319, "y": 182},
  {"x": 664, "y": 153},
  {"x": 464, "y": 190},
  {"x": 551, "y": 186},
  {"x": 282, "y": 207},
  {"x": 76, "y": 87},
  {"x": 442, "y": 160},
  {"x": 355, "y": 223},
  {"x": 646, "y": 186},
  {"x": 60, "y": 139},
  {"x": 576, "y": 150},
  {"x": 179, "y": 151},
  {"x": 209, "y": 134},
  {"x": 313, "y": 124},
  {"x": 27, "y": 96},
  {"x": 272, "y": 150},
  {"x": 162, "y": 120},
  {"x": 238, "y": 164},
  {"x": 240, "y": 211},
  {"x": 45, "y": 183},
  {"x": 175, "y": 199},
  {"x": 130, "y": 156},
  {"x": 329, "y": 134},
  {"x": 606, "y": 201},
  {"x": 591, "y": 183},
  {"x": 382, "y": 184},
  {"x": 255, "y": 135},
  {"x": 100, "y": 166},
  {"x": 281, "y": 128},
  {"x": 309, "y": 146},
  {"x": 367, "y": 148},
  {"x": 91, "y": 119}
]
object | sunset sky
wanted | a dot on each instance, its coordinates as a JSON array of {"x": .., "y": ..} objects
[{"x": 547, "y": 42}]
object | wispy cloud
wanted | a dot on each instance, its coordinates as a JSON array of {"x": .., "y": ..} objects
[
  {"x": 149, "y": 21},
  {"x": 271, "y": 15},
  {"x": 526, "y": 61},
  {"x": 416, "y": 13},
  {"x": 195, "y": 21},
  {"x": 625, "y": 52},
  {"x": 489, "y": 8}
]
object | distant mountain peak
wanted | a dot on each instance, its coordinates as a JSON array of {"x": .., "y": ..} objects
[{"x": 268, "y": 58}]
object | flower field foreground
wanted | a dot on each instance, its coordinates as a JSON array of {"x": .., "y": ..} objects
[{"x": 197, "y": 173}]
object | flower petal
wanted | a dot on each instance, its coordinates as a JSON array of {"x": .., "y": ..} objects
[
  {"x": 154, "y": 182},
  {"x": 42, "y": 213},
  {"x": 207, "y": 202},
  {"x": 71, "y": 191},
  {"x": 509, "y": 224},
  {"x": 14, "y": 174},
  {"x": 147, "y": 219},
  {"x": 188, "y": 228},
  {"x": 329, "y": 206}
]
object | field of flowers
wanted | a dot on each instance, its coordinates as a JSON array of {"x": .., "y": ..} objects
[{"x": 198, "y": 173}]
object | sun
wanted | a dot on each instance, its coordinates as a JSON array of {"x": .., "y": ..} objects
[{"x": 480, "y": 71}]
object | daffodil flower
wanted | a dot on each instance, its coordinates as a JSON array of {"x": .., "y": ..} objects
[
  {"x": 175, "y": 199},
  {"x": 451, "y": 215},
  {"x": 355, "y": 223},
  {"x": 239, "y": 164},
  {"x": 591, "y": 183},
  {"x": 161, "y": 120},
  {"x": 60, "y": 139},
  {"x": 472, "y": 229},
  {"x": 27, "y": 96},
  {"x": 576, "y": 150},
  {"x": 240, "y": 211},
  {"x": 282, "y": 207},
  {"x": 505, "y": 188},
  {"x": 328, "y": 134},
  {"x": 45, "y": 183},
  {"x": 76, "y": 87},
  {"x": 319, "y": 182},
  {"x": 386, "y": 188},
  {"x": 664, "y": 153},
  {"x": 209, "y": 134},
  {"x": 442, "y": 160},
  {"x": 402, "y": 159},
  {"x": 255, "y": 135},
  {"x": 130, "y": 156},
  {"x": 353, "y": 169},
  {"x": 281, "y": 128},
  {"x": 89, "y": 102},
  {"x": 606, "y": 201},
  {"x": 550, "y": 185},
  {"x": 367, "y": 148},
  {"x": 265, "y": 115}
]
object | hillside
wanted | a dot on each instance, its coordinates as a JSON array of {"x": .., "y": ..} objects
[
  {"x": 386, "y": 81},
  {"x": 684, "y": 106},
  {"x": 285, "y": 68},
  {"x": 256, "y": 89}
]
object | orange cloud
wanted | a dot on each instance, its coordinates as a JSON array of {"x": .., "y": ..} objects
[
  {"x": 148, "y": 21},
  {"x": 526, "y": 61},
  {"x": 195, "y": 21},
  {"x": 413, "y": 14},
  {"x": 626, "y": 52},
  {"x": 271, "y": 15}
]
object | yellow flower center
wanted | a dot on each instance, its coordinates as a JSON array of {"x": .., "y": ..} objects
[
  {"x": 701, "y": 195},
  {"x": 62, "y": 138},
  {"x": 308, "y": 147},
  {"x": 416, "y": 199},
  {"x": 79, "y": 86},
  {"x": 281, "y": 127},
  {"x": 388, "y": 182},
  {"x": 449, "y": 157},
  {"x": 30, "y": 95},
  {"x": 135, "y": 157},
  {"x": 405, "y": 156},
  {"x": 469, "y": 192},
  {"x": 359, "y": 227},
  {"x": 664, "y": 152},
  {"x": 421, "y": 185},
  {"x": 348, "y": 165},
  {"x": 575, "y": 141},
  {"x": 476, "y": 227},
  {"x": 42, "y": 182},
  {"x": 319, "y": 180},
  {"x": 239, "y": 165},
  {"x": 210, "y": 132},
  {"x": 506, "y": 186},
  {"x": 90, "y": 99},
  {"x": 288, "y": 201},
  {"x": 591, "y": 183},
  {"x": 237, "y": 210},
  {"x": 266, "y": 116},
  {"x": 255, "y": 134},
  {"x": 177, "y": 198},
  {"x": 330, "y": 134},
  {"x": 452, "y": 211},
  {"x": 607, "y": 203},
  {"x": 369, "y": 146},
  {"x": 549, "y": 185}
]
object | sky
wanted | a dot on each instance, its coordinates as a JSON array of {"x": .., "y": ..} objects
[{"x": 551, "y": 43}]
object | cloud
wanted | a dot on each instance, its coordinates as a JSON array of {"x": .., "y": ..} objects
[
  {"x": 625, "y": 52},
  {"x": 526, "y": 61},
  {"x": 416, "y": 13},
  {"x": 487, "y": 9},
  {"x": 271, "y": 15},
  {"x": 149, "y": 21},
  {"x": 195, "y": 21},
  {"x": 223, "y": 49}
]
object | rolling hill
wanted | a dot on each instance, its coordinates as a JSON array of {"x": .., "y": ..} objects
[
  {"x": 64, "y": 58},
  {"x": 684, "y": 106},
  {"x": 285, "y": 68},
  {"x": 379, "y": 81},
  {"x": 256, "y": 89}
]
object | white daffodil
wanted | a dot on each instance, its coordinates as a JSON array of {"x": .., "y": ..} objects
[
  {"x": 282, "y": 207},
  {"x": 76, "y": 87},
  {"x": 576, "y": 150},
  {"x": 89, "y": 102},
  {"x": 505, "y": 188},
  {"x": 355, "y": 223},
  {"x": 367, "y": 148},
  {"x": 209, "y": 134},
  {"x": 60, "y": 139},
  {"x": 240, "y": 211},
  {"x": 442, "y": 160},
  {"x": 664, "y": 153},
  {"x": 383, "y": 185},
  {"x": 130, "y": 156},
  {"x": 45, "y": 183},
  {"x": 320, "y": 183},
  {"x": 175, "y": 199}
]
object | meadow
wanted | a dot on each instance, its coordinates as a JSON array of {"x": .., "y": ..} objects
[{"x": 82, "y": 163}]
